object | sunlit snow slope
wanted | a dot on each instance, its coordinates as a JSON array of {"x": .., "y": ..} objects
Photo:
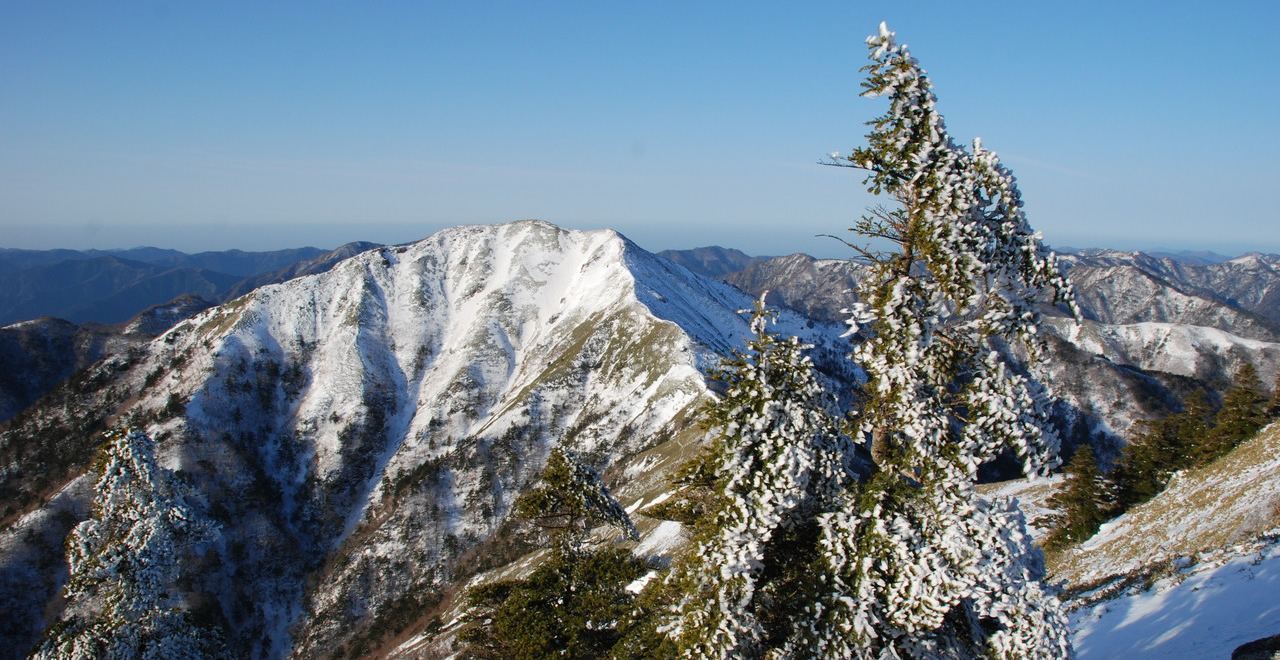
[
  {"x": 1193, "y": 573},
  {"x": 361, "y": 434}
]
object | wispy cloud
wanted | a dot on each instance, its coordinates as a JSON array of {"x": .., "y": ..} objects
[{"x": 1080, "y": 174}]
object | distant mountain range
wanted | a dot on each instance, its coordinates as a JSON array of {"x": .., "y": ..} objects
[
  {"x": 356, "y": 424},
  {"x": 112, "y": 286}
]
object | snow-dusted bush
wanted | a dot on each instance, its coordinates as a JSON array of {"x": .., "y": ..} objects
[{"x": 123, "y": 595}]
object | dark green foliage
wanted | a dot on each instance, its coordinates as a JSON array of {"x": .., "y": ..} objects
[
  {"x": 1082, "y": 503},
  {"x": 571, "y": 501},
  {"x": 567, "y": 608},
  {"x": 1161, "y": 448},
  {"x": 571, "y": 605},
  {"x": 1190, "y": 438},
  {"x": 1243, "y": 413}
]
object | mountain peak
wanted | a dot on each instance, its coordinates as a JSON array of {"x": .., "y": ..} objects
[{"x": 395, "y": 405}]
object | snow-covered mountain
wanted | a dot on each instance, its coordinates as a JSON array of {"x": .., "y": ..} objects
[
  {"x": 1240, "y": 296},
  {"x": 1152, "y": 326},
  {"x": 359, "y": 435}
]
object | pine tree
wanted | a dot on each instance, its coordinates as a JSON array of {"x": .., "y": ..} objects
[
  {"x": 1159, "y": 448},
  {"x": 777, "y": 460},
  {"x": 1082, "y": 502},
  {"x": 1243, "y": 413},
  {"x": 126, "y": 562},
  {"x": 918, "y": 565},
  {"x": 571, "y": 605}
]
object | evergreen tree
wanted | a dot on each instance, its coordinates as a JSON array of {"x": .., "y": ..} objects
[
  {"x": 1082, "y": 502},
  {"x": 1243, "y": 413},
  {"x": 570, "y": 501},
  {"x": 1160, "y": 448},
  {"x": 917, "y": 564},
  {"x": 571, "y": 605},
  {"x": 776, "y": 461},
  {"x": 123, "y": 600}
]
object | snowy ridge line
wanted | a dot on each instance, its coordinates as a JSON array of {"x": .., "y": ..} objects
[
  {"x": 1175, "y": 348},
  {"x": 363, "y": 431}
]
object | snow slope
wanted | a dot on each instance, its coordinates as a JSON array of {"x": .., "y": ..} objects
[
  {"x": 1193, "y": 573},
  {"x": 1185, "y": 350},
  {"x": 361, "y": 433},
  {"x": 1204, "y": 612}
]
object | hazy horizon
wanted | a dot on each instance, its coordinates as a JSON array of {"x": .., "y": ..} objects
[{"x": 828, "y": 248}]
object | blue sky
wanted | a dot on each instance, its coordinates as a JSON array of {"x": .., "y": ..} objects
[{"x": 210, "y": 126}]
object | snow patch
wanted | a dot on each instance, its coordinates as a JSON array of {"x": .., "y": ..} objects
[
  {"x": 1203, "y": 615},
  {"x": 661, "y": 541}
]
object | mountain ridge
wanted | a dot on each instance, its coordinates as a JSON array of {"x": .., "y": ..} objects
[
  {"x": 389, "y": 410},
  {"x": 360, "y": 433}
]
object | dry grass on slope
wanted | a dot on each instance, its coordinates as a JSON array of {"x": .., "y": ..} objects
[{"x": 1207, "y": 514}]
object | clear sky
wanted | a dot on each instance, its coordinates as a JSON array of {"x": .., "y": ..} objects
[{"x": 264, "y": 125}]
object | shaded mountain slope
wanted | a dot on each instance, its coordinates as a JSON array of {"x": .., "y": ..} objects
[
  {"x": 360, "y": 434},
  {"x": 103, "y": 289},
  {"x": 29, "y": 367}
]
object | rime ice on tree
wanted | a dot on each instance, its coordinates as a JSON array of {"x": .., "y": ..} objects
[
  {"x": 919, "y": 566},
  {"x": 125, "y": 564},
  {"x": 780, "y": 460}
]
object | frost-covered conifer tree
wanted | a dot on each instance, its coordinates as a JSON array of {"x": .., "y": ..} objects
[
  {"x": 779, "y": 460},
  {"x": 918, "y": 565},
  {"x": 122, "y": 596}
]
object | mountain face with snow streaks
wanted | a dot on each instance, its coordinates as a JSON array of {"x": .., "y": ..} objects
[
  {"x": 1240, "y": 296},
  {"x": 359, "y": 435},
  {"x": 1150, "y": 325}
]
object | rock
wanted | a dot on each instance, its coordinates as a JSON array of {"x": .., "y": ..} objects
[{"x": 1267, "y": 648}]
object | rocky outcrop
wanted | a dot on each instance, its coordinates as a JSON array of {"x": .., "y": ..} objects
[{"x": 1267, "y": 648}]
